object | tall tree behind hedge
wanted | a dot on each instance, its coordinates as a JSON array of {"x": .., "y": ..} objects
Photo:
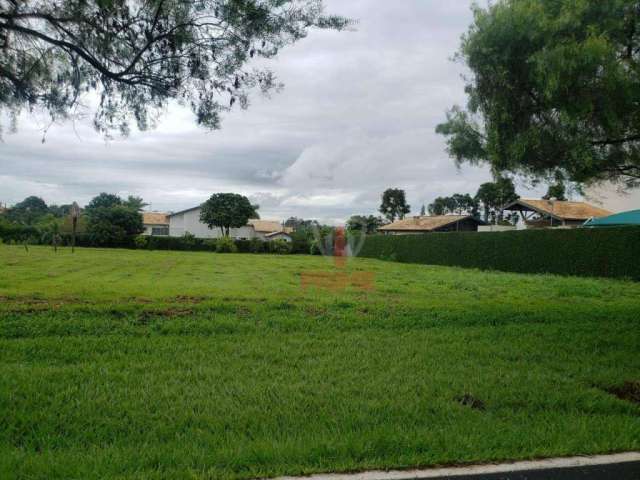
[
  {"x": 28, "y": 211},
  {"x": 394, "y": 204},
  {"x": 494, "y": 196},
  {"x": 554, "y": 87},
  {"x": 458, "y": 204},
  {"x": 368, "y": 224},
  {"x": 226, "y": 211},
  {"x": 103, "y": 200},
  {"x": 111, "y": 221},
  {"x": 557, "y": 191}
]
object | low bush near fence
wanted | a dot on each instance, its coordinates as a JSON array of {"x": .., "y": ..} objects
[{"x": 610, "y": 252}]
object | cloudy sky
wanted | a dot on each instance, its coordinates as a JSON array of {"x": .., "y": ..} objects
[{"x": 357, "y": 116}]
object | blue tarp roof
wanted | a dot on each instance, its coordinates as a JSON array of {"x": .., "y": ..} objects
[{"x": 632, "y": 217}]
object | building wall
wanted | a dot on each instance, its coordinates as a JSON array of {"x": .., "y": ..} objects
[
  {"x": 496, "y": 228},
  {"x": 190, "y": 222},
  {"x": 279, "y": 236},
  {"x": 148, "y": 229}
]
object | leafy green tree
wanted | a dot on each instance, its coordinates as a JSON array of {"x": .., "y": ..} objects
[
  {"x": 487, "y": 195},
  {"x": 458, "y": 204},
  {"x": 554, "y": 86},
  {"x": 394, "y": 204},
  {"x": 137, "y": 55},
  {"x": 113, "y": 226},
  {"x": 368, "y": 224},
  {"x": 111, "y": 221},
  {"x": 50, "y": 227},
  {"x": 494, "y": 196},
  {"x": 439, "y": 206},
  {"x": 423, "y": 210},
  {"x": 28, "y": 211},
  {"x": 60, "y": 211},
  {"x": 136, "y": 203},
  {"x": 226, "y": 211},
  {"x": 104, "y": 200},
  {"x": 297, "y": 223},
  {"x": 557, "y": 191}
]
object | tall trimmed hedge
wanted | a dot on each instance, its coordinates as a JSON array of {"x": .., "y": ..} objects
[{"x": 604, "y": 252}]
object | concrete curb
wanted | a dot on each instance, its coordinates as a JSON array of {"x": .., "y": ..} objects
[{"x": 481, "y": 470}]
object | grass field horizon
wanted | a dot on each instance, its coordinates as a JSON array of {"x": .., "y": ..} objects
[{"x": 156, "y": 364}]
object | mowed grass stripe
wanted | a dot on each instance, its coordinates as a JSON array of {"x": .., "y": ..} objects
[{"x": 200, "y": 371}]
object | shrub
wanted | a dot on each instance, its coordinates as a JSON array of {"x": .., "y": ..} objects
[
  {"x": 243, "y": 246},
  {"x": 210, "y": 244},
  {"x": 256, "y": 245},
  {"x": 314, "y": 249},
  {"x": 226, "y": 245},
  {"x": 141, "y": 241},
  {"x": 607, "y": 252},
  {"x": 300, "y": 242},
  {"x": 189, "y": 241},
  {"x": 279, "y": 246},
  {"x": 114, "y": 226}
]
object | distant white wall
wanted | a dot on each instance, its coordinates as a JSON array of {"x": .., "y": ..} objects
[
  {"x": 190, "y": 222},
  {"x": 496, "y": 228}
]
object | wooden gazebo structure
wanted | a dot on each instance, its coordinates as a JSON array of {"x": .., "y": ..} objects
[{"x": 555, "y": 213}]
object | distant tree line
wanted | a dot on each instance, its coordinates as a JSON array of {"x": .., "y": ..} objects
[{"x": 107, "y": 220}]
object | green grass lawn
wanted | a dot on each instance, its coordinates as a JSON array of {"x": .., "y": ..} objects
[{"x": 148, "y": 365}]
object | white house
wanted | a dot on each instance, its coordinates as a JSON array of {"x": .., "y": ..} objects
[
  {"x": 281, "y": 235},
  {"x": 188, "y": 221}
]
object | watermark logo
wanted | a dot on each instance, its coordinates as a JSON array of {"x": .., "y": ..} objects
[{"x": 337, "y": 246}]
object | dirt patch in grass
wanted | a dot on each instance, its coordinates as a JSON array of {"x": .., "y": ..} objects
[
  {"x": 315, "y": 311},
  {"x": 189, "y": 299},
  {"x": 175, "y": 312},
  {"x": 629, "y": 391},
  {"x": 146, "y": 316},
  {"x": 470, "y": 401},
  {"x": 243, "y": 312}
]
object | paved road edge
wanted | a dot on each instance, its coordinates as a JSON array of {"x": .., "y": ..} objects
[{"x": 528, "y": 465}]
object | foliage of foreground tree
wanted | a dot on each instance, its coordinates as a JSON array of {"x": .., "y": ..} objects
[
  {"x": 226, "y": 211},
  {"x": 136, "y": 55},
  {"x": 555, "y": 88}
]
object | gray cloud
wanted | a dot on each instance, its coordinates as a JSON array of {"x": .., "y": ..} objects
[{"x": 357, "y": 115}]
